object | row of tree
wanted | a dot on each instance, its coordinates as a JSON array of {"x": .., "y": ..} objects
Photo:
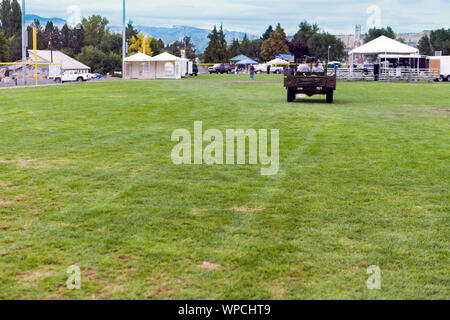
[
  {"x": 439, "y": 40},
  {"x": 90, "y": 42},
  {"x": 308, "y": 41},
  {"x": 93, "y": 43}
]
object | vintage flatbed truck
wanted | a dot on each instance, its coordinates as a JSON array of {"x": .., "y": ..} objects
[{"x": 310, "y": 83}]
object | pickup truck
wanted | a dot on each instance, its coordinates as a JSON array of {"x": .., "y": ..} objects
[
  {"x": 262, "y": 68},
  {"x": 220, "y": 68},
  {"x": 71, "y": 76}
]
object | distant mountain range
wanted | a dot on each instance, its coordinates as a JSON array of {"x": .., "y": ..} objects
[
  {"x": 57, "y": 21},
  {"x": 169, "y": 35}
]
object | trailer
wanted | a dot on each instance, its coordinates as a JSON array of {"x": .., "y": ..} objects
[{"x": 440, "y": 67}]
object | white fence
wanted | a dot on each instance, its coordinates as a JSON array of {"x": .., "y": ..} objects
[{"x": 388, "y": 74}]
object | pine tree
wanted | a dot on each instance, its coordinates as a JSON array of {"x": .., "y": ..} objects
[
  {"x": 267, "y": 34},
  {"x": 276, "y": 44},
  {"x": 16, "y": 18},
  {"x": 235, "y": 48},
  {"x": 209, "y": 56}
]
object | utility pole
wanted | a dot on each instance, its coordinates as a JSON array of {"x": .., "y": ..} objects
[
  {"x": 123, "y": 41},
  {"x": 24, "y": 44},
  {"x": 51, "y": 46}
]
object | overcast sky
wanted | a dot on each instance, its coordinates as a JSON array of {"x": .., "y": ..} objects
[{"x": 253, "y": 16}]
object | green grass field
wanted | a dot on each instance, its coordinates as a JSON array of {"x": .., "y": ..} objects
[{"x": 86, "y": 179}]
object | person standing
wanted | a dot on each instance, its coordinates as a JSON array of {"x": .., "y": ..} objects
[
  {"x": 252, "y": 72},
  {"x": 7, "y": 77}
]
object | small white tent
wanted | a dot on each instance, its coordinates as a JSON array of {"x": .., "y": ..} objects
[
  {"x": 278, "y": 62},
  {"x": 167, "y": 66},
  {"x": 139, "y": 66}
]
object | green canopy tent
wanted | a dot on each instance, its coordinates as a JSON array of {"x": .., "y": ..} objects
[{"x": 239, "y": 58}]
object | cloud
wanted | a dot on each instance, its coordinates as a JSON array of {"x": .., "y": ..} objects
[{"x": 253, "y": 16}]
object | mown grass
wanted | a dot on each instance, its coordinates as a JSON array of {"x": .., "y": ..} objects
[{"x": 86, "y": 179}]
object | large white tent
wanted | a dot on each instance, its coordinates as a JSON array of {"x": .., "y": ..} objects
[{"x": 384, "y": 45}]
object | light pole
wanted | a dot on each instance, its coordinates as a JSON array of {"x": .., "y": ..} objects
[
  {"x": 329, "y": 47},
  {"x": 123, "y": 42},
  {"x": 24, "y": 44}
]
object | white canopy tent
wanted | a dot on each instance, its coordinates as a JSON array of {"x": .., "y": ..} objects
[
  {"x": 384, "y": 46},
  {"x": 167, "y": 66},
  {"x": 278, "y": 62},
  {"x": 139, "y": 66},
  {"x": 163, "y": 66}
]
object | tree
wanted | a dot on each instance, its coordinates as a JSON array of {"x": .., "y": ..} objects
[
  {"x": 425, "y": 46},
  {"x": 95, "y": 28},
  {"x": 93, "y": 58},
  {"x": 306, "y": 31},
  {"x": 235, "y": 48},
  {"x": 319, "y": 43},
  {"x": 439, "y": 40},
  {"x": 16, "y": 18},
  {"x": 77, "y": 40},
  {"x": 267, "y": 33},
  {"x": 4, "y": 49},
  {"x": 299, "y": 48},
  {"x": 112, "y": 43},
  {"x": 189, "y": 47},
  {"x": 136, "y": 44},
  {"x": 157, "y": 46},
  {"x": 217, "y": 47},
  {"x": 51, "y": 34},
  {"x": 277, "y": 43},
  {"x": 66, "y": 35},
  {"x": 39, "y": 35},
  {"x": 130, "y": 31},
  {"x": 6, "y": 18},
  {"x": 374, "y": 33}
]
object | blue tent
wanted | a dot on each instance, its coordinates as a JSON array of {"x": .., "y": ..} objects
[{"x": 246, "y": 62}]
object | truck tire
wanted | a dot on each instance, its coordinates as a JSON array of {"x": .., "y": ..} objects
[
  {"x": 80, "y": 79},
  {"x": 330, "y": 96},
  {"x": 58, "y": 80},
  {"x": 290, "y": 95},
  {"x": 441, "y": 78}
]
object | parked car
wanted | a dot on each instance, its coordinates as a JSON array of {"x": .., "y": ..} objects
[
  {"x": 262, "y": 68},
  {"x": 72, "y": 76},
  {"x": 95, "y": 76},
  {"x": 334, "y": 64},
  {"x": 220, "y": 68}
]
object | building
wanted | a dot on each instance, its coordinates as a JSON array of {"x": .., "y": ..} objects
[{"x": 67, "y": 63}]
